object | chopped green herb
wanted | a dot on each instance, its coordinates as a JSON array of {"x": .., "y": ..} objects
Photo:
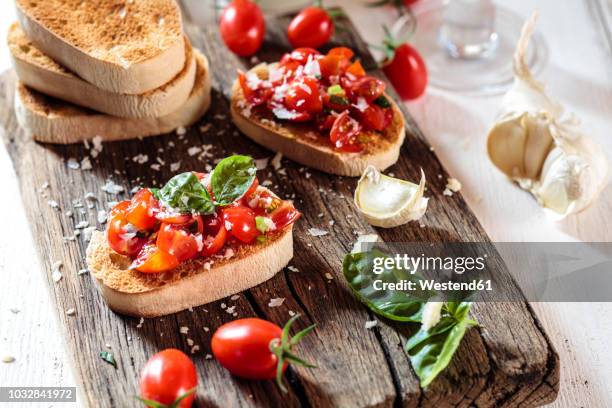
[
  {"x": 263, "y": 224},
  {"x": 261, "y": 239},
  {"x": 382, "y": 101},
  {"x": 338, "y": 100},
  {"x": 109, "y": 358},
  {"x": 336, "y": 90}
]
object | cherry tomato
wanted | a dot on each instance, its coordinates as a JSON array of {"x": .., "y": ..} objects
[
  {"x": 303, "y": 95},
  {"x": 376, "y": 118},
  {"x": 257, "y": 96},
  {"x": 299, "y": 55},
  {"x": 344, "y": 133},
  {"x": 249, "y": 193},
  {"x": 240, "y": 221},
  {"x": 216, "y": 235},
  {"x": 407, "y": 72},
  {"x": 142, "y": 210},
  {"x": 177, "y": 241},
  {"x": 168, "y": 376},
  {"x": 356, "y": 69},
  {"x": 343, "y": 52},
  {"x": 312, "y": 27},
  {"x": 242, "y": 27},
  {"x": 284, "y": 215},
  {"x": 173, "y": 218},
  {"x": 331, "y": 65},
  {"x": 325, "y": 122},
  {"x": 367, "y": 87},
  {"x": 122, "y": 237},
  {"x": 151, "y": 259},
  {"x": 244, "y": 348}
]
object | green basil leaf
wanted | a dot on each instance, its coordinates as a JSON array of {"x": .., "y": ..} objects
[
  {"x": 382, "y": 101},
  {"x": 430, "y": 351},
  {"x": 232, "y": 178},
  {"x": 336, "y": 90},
  {"x": 185, "y": 193},
  {"x": 338, "y": 100},
  {"x": 404, "y": 306},
  {"x": 109, "y": 358},
  {"x": 155, "y": 192}
]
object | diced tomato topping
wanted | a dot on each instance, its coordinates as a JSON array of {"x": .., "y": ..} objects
[
  {"x": 257, "y": 96},
  {"x": 332, "y": 65},
  {"x": 366, "y": 87},
  {"x": 249, "y": 193},
  {"x": 178, "y": 242},
  {"x": 240, "y": 221},
  {"x": 151, "y": 259},
  {"x": 170, "y": 217},
  {"x": 343, "y": 52},
  {"x": 356, "y": 69},
  {"x": 303, "y": 95},
  {"x": 284, "y": 215},
  {"x": 299, "y": 55},
  {"x": 325, "y": 122},
  {"x": 344, "y": 133},
  {"x": 122, "y": 237},
  {"x": 215, "y": 235},
  {"x": 376, "y": 118},
  {"x": 142, "y": 210}
]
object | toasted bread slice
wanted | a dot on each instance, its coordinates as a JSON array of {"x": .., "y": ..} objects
[
  {"x": 53, "y": 121},
  {"x": 304, "y": 144},
  {"x": 123, "y": 47},
  {"x": 39, "y": 72},
  {"x": 192, "y": 283}
]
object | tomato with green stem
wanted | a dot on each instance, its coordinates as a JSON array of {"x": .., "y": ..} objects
[
  {"x": 242, "y": 27},
  {"x": 258, "y": 349},
  {"x": 404, "y": 67},
  {"x": 168, "y": 380}
]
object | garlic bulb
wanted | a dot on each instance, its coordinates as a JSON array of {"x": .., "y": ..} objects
[
  {"x": 388, "y": 202},
  {"x": 543, "y": 152}
]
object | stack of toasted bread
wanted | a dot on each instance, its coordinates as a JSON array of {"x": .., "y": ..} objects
[{"x": 113, "y": 70}]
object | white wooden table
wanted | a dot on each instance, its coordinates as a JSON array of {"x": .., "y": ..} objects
[{"x": 579, "y": 73}]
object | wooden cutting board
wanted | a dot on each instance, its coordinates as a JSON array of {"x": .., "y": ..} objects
[{"x": 506, "y": 361}]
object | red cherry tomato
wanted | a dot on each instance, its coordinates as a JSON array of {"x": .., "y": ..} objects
[
  {"x": 177, "y": 241},
  {"x": 256, "y": 96},
  {"x": 376, "y": 118},
  {"x": 216, "y": 235},
  {"x": 242, "y": 346},
  {"x": 299, "y": 55},
  {"x": 167, "y": 376},
  {"x": 242, "y": 27},
  {"x": 356, "y": 69},
  {"x": 240, "y": 221},
  {"x": 122, "y": 236},
  {"x": 142, "y": 210},
  {"x": 407, "y": 72},
  {"x": 312, "y": 27},
  {"x": 284, "y": 215},
  {"x": 151, "y": 259},
  {"x": 344, "y": 133},
  {"x": 367, "y": 87},
  {"x": 303, "y": 95},
  {"x": 173, "y": 218},
  {"x": 325, "y": 122},
  {"x": 245, "y": 347}
]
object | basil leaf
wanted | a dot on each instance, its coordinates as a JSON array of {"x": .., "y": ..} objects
[
  {"x": 336, "y": 90},
  {"x": 338, "y": 100},
  {"x": 382, "y": 101},
  {"x": 430, "y": 351},
  {"x": 404, "y": 306},
  {"x": 232, "y": 178},
  {"x": 185, "y": 193},
  {"x": 155, "y": 192},
  {"x": 109, "y": 358}
]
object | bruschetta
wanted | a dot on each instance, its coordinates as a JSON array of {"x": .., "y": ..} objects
[
  {"x": 322, "y": 111},
  {"x": 198, "y": 239}
]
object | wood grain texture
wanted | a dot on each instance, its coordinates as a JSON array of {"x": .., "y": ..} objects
[{"x": 507, "y": 361}]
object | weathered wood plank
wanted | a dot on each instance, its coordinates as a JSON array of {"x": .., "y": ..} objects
[{"x": 507, "y": 361}]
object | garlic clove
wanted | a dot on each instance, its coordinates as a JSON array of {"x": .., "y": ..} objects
[
  {"x": 543, "y": 153},
  {"x": 388, "y": 202}
]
